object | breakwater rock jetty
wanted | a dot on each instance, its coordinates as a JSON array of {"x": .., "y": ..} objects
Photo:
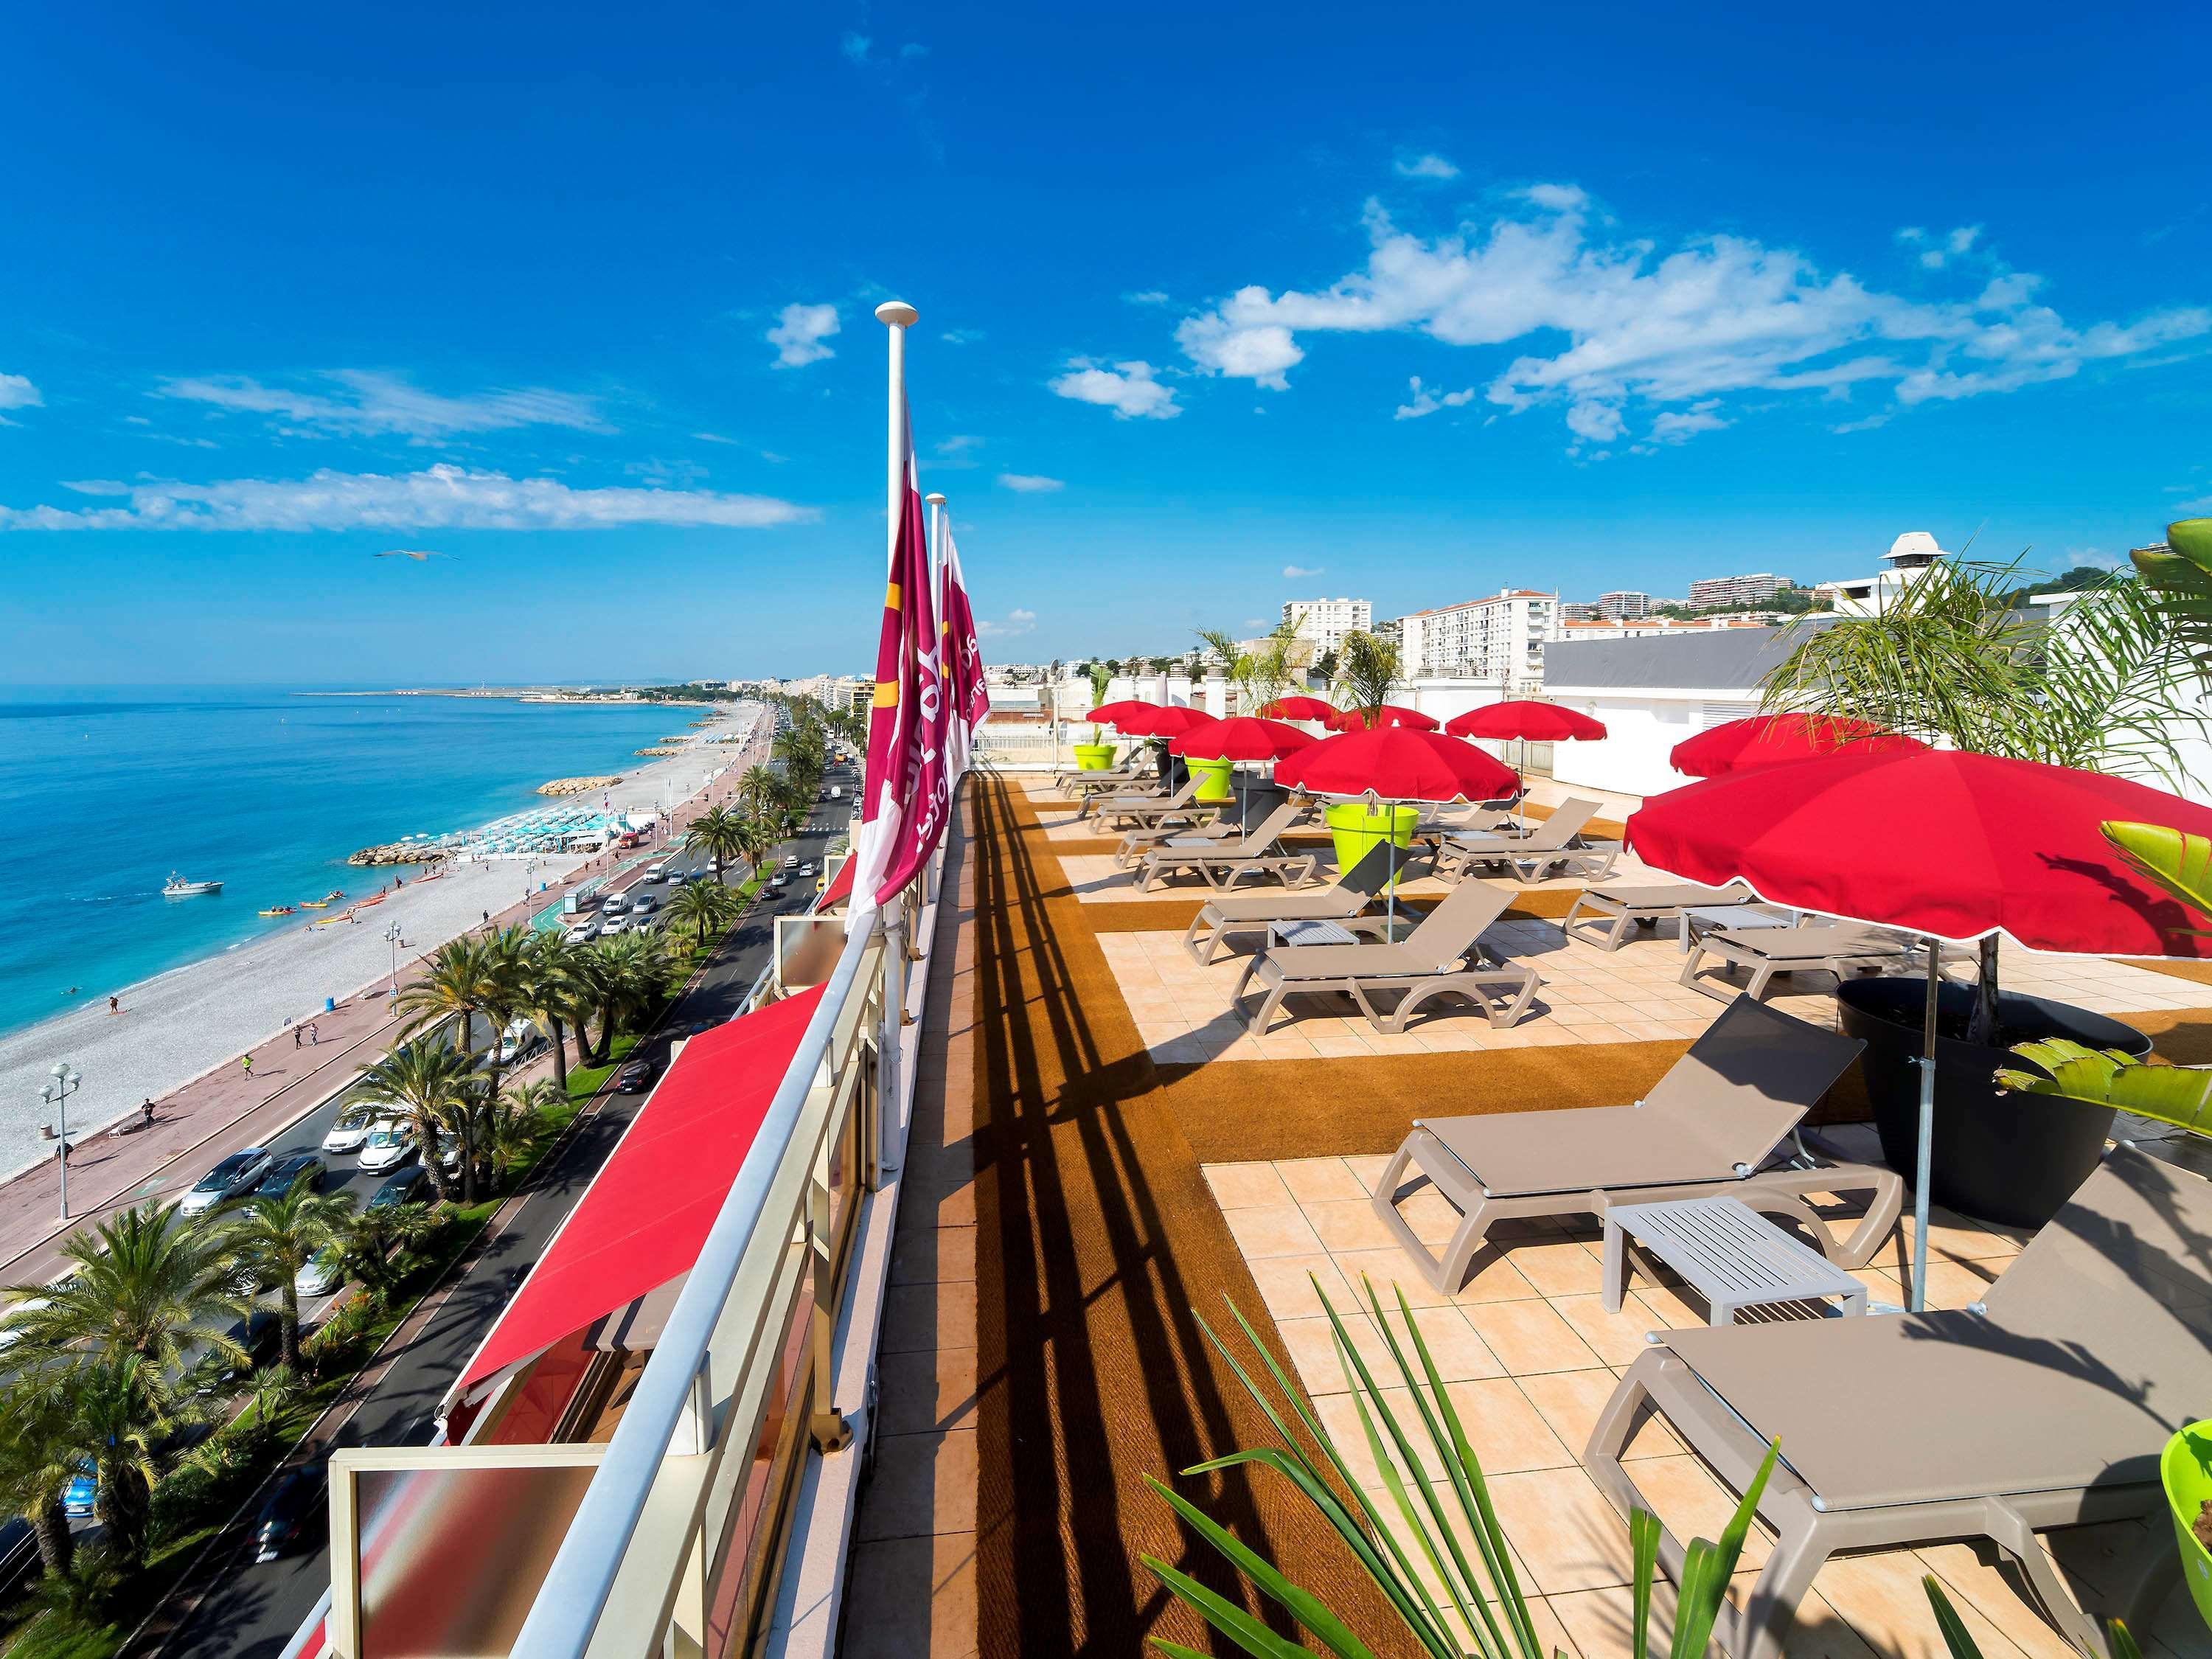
[
  {"x": 661, "y": 750},
  {"x": 579, "y": 785},
  {"x": 399, "y": 852}
]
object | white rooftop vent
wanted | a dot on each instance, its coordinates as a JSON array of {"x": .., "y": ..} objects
[{"x": 1913, "y": 549}]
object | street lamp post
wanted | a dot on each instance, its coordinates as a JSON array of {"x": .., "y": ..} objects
[
  {"x": 392, "y": 938},
  {"x": 67, "y": 1081}
]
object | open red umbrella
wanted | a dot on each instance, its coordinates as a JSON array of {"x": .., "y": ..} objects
[
  {"x": 1243, "y": 737},
  {"x": 1173, "y": 721},
  {"x": 1957, "y": 846},
  {"x": 1528, "y": 720},
  {"x": 1299, "y": 708},
  {"x": 1392, "y": 764},
  {"x": 1389, "y": 714},
  {"x": 1119, "y": 714},
  {"x": 1772, "y": 739}
]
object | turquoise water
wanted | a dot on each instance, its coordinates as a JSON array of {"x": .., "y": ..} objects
[{"x": 104, "y": 792}]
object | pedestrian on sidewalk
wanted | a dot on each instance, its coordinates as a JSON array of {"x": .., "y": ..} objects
[
  {"x": 147, "y": 1110},
  {"x": 247, "y": 1061},
  {"x": 314, "y": 1033},
  {"x": 296, "y": 1037}
]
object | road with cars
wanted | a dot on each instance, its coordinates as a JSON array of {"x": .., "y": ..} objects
[{"x": 253, "y": 1608}]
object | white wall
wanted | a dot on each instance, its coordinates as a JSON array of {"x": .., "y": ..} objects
[{"x": 1642, "y": 726}]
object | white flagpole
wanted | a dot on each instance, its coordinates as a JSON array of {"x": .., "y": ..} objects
[{"x": 896, "y": 317}]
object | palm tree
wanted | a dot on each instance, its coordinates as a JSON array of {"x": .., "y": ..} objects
[
  {"x": 374, "y": 1239},
  {"x": 464, "y": 980},
  {"x": 550, "y": 990},
  {"x": 756, "y": 837},
  {"x": 1367, "y": 671},
  {"x": 759, "y": 788},
  {"x": 516, "y": 1131},
  {"x": 120, "y": 1411},
  {"x": 714, "y": 832},
  {"x": 703, "y": 906},
  {"x": 276, "y": 1236},
  {"x": 38, "y": 1459},
  {"x": 628, "y": 971},
  {"x": 426, "y": 1081},
  {"x": 148, "y": 1285}
]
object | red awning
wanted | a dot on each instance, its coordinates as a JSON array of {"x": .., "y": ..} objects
[
  {"x": 839, "y": 888},
  {"x": 642, "y": 1221}
]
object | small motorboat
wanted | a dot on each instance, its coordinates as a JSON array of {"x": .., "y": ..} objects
[{"x": 178, "y": 887}]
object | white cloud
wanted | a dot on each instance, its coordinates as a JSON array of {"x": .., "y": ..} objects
[
  {"x": 1670, "y": 326},
  {"x": 1146, "y": 296},
  {"x": 798, "y": 334},
  {"x": 1018, "y": 621},
  {"x": 1031, "y": 483},
  {"x": 16, "y": 392},
  {"x": 1128, "y": 389},
  {"x": 854, "y": 45},
  {"x": 1937, "y": 252},
  {"x": 1867, "y": 425},
  {"x": 373, "y": 403},
  {"x": 914, "y": 49},
  {"x": 1426, "y": 401},
  {"x": 1425, "y": 167},
  {"x": 1295, "y": 571},
  {"x": 713, "y": 437},
  {"x": 960, "y": 336},
  {"x": 1680, "y": 425},
  {"x": 437, "y": 498}
]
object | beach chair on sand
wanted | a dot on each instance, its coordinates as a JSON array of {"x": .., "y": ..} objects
[
  {"x": 1615, "y": 910},
  {"x": 1840, "y": 948},
  {"x": 2045, "y": 1404},
  {"x": 1428, "y": 961},
  {"x": 1714, "y": 1123},
  {"x": 1222, "y": 862},
  {"x": 1340, "y": 902},
  {"x": 1550, "y": 845}
]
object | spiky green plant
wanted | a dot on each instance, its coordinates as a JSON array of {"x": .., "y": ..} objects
[{"x": 1368, "y": 670}]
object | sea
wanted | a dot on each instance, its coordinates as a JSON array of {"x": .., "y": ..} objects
[{"x": 104, "y": 791}]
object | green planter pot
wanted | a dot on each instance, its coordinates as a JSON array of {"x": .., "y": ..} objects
[
  {"x": 1214, "y": 779},
  {"x": 1094, "y": 757},
  {"x": 2187, "y": 1469},
  {"x": 1354, "y": 826}
]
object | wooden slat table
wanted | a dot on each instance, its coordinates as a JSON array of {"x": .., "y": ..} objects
[{"x": 1728, "y": 1253}]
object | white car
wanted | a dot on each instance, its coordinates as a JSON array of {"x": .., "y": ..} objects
[
  {"x": 614, "y": 925},
  {"x": 520, "y": 1035},
  {"x": 234, "y": 1178},
  {"x": 324, "y": 1273},
  {"x": 389, "y": 1146},
  {"x": 351, "y": 1128},
  {"x": 581, "y": 932},
  {"x": 9, "y": 1334},
  {"x": 654, "y": 872},
  {"x": 617, "y": 904}
]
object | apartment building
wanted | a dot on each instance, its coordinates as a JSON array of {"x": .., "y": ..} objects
[
  {"x": 1624, "y": 602},
  {"x": 1721, "y": 593},
  {"x": 1326, "y": 622},
  {"x": 1499, "y": 638}
]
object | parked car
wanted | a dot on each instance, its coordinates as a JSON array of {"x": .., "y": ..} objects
[
  {"x": 298, "y": 1166},
  {"x": 263, "y": 1334},
  {"x": 229, "y": 1180},
  {"x": 389, "y": 1145},
  {"x": 324, "y": 1273},
  {"x": 77, "y": 1497},
  {"x": 636, "y": 1077},
  {"x": 352, "y": 1127},
  {"x": 405, "y": 1186},
  {"x": 288, "y": 1518}
]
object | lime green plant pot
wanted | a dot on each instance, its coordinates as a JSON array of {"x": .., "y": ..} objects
[
  {"x": 2187, "y": 1469},
  {"x": 1354, "y": 826},
  {"x": 1094, "y": 757},
  {"x": 1214, "y": 778}
]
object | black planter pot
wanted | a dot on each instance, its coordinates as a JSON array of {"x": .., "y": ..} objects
[{"x": 2010, "y": 1158}]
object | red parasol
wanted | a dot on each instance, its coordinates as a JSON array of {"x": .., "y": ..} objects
[
  {"x": 1120, "y": 713},
  {"x": 1957, "y": 846},
  {"x": 1771, "y": 739},
  {"x": 1299, "y": 708},
  {"x": 1243, "y": 737},
  {"x": 1174, "y": 721},
  {"x": 1528, "y": 720},
  {"x": 1389, "y": 714}
]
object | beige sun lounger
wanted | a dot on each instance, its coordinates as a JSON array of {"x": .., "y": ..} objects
[
  {"x": 2047, "y": 1404},
  {"x": 1554, "y": 843},
  {"x": 1615, "y": 910},
  {"x": 1712, "y": 1124},
  {"x": 1121, "y": 810},
  {"x": 1221, "y": 862},
  {"x": 1340, "y": 902},
  {"x": 1226, "y": 828},
  {"x": 1837, "y": 947},
  {"x": 1428, "y": 961}
]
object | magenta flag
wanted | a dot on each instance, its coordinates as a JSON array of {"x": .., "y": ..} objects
[
  {"x": 969, "y": 698},
  {"x": 907, "y": 803}
]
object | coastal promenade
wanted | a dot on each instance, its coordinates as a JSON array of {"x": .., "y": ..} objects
[{"x": 225, "y": 1107}]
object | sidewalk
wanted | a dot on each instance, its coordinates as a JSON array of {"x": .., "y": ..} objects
[{"x": 223, "y": 1109}]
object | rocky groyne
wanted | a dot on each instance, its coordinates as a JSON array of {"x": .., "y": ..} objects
[
  {"x": 579, "y": 785},
  {"x": 399, "y": 852}
]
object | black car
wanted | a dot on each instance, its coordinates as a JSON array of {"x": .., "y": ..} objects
[
  {"x": 261, "y": 1333},
  {"x": 293, "y": 1511},
  {"x": 404, "y": 1188},
  {"x": 636, "y": 1077},
  {"x": 289, "y": 1167}
]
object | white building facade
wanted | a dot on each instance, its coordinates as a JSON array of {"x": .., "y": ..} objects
[
  {"x": 1326, "y": 622},
  {"x": 1719, "y": 593},
  {"x": 1501, "y": 638}
]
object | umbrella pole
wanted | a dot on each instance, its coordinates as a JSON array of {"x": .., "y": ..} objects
[{"x": 1925, "y": 1161}]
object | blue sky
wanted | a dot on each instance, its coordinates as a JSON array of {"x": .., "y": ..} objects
[{"x": 1421, "y": 300}]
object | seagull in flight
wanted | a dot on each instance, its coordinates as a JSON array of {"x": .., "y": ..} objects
[{"x": 418, "y": 555}]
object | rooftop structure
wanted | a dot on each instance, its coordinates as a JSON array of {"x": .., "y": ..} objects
[
  {"x": 1719, "y": 593},
  {"x": 1624, "y": 602},
  {"x": 1500, "y": 637},
  {"x": 1326, "y": 622},
  {"x": 1908, "y": 555}
]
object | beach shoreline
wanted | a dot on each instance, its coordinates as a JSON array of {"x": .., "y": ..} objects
[{"x": 179, "y": 1025}]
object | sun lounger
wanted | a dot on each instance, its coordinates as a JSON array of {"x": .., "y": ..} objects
[
  {"x": 1226, "y": 828},
  {"x": 1615, "y": 910},
  {"x": 1222, "y": 862},
  {"x": 1553, "y": 844},
  {"x": 1128, "y": 763},
  {"x": 1121, "y": 810},
  {"x": 1428, "y": 961},
  {"x": 1340, "y": 902},
  {"x": 1713, "y": 1124},
  {"x": 2044, "y": 1405},
  {"x": 1836, "y": 947}
]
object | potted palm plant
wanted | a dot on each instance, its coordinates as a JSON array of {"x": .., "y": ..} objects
[
  {"x": 1097, "y": 755},
  {"x": 1955, "y": 659},
  {"x": 1259, "y": 675},
  {"x": 1367, "y": 672}
]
